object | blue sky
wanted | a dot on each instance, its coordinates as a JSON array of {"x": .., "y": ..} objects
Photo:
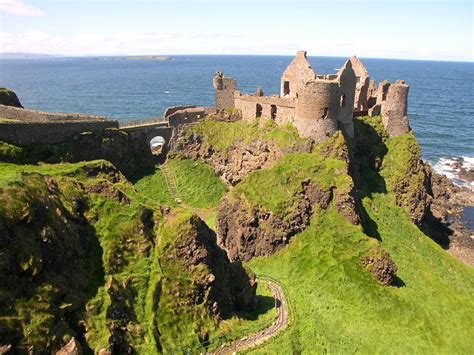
[{"x": 419, "y": 29}]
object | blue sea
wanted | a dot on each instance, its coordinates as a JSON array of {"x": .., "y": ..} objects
[{"x": 441, "y": 104}]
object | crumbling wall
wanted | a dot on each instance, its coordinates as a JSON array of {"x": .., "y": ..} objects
[
  {"x": 224, "y": 88},
  {"x": 188, "y": 115},
  {"x": 347, "y": 89},
  {"x": 298, "y": 72},
  {"x": 21, "y": 133},
  {"x": 247, "y": 104},
  {"x": 28, "y": 115},
  {"x": 317, "y": 109},
  {"x": 362, "y": 87},
  {"x": 394, "y": 109}
]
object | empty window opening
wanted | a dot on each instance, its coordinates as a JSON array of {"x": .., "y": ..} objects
[
  {"x": 343, "y": 100},
  {"x": 273, "y": 112},
  {"x": 325, "y": 113},
  {"x": 358, "y": 80},
  {"x": 258, "y": 110},
  {"x": 286, "y": 88},
  {"x": 384, "y": 94},
  {"x": 156, "y": 145}
]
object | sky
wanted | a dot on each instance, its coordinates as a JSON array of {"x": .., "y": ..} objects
[{"x": 418, "y": 29}]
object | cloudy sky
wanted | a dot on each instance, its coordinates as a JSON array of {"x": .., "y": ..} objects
[{"x": 417, "y": 29}]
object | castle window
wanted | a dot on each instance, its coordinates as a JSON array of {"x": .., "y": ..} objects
[
  {"x": 343, "y": 100},
  {"x": 325, "y": 113},
  {"x": 286, "y": 88},
  {"x": 273, "y": 112},
  {"x": 258, "y": 110}
]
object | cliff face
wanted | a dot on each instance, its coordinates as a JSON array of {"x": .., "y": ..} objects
[
  {"x": 9, "y": 98},
  {"x": 270, "y": 206}
]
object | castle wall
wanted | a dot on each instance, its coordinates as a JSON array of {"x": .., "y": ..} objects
[
  {"x": 298, "y": 72},
  {"x": 394, "y": 109},
  {"x": 224, "y": 88},
  {"x": 28, "y": 115},
  {"x": 285, "y": 107},
  {"x": 21, "y": 133},
  {"x": 347, "y": 92},
  {"x": 317, "y": 109}
]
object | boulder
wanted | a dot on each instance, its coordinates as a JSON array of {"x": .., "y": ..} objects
[{"x": 9, "y": 98}]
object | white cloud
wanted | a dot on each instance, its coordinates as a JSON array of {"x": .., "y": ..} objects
[{"x": 18, "y": 7}]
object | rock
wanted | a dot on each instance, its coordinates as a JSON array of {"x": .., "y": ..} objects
[
  {"x": 467, "y": 175},
  {"x": 245, "y": 231},
  {"x": 237, "y": 161},
  {"x": 73, "y": 347},
  {"x": 380, "y": 264},
  {"x": 4, "y": 349},
  {"x": 105, "y": 352},
  {"x": 9, "y": 98}
]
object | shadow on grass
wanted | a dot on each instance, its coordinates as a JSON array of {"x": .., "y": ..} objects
[{"x": 263, "y": 304}]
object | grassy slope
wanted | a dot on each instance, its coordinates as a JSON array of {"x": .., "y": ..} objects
[
  {"x": 222, "y": 135},
  {"x": 339, "y": 308}
]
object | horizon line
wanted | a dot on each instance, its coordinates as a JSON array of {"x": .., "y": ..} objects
[{"x": 226, "y": 54}]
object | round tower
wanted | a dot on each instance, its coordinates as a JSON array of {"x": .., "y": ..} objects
[
  {"x": 394, "y": 109},
  {"x": 317, "y": 109}
]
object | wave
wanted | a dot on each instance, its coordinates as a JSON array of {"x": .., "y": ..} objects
[{"x": 457, "y": 169}]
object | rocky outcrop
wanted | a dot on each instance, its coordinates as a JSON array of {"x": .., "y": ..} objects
[
  {"x": 380, "y": 264},
  {"x": 224, "y": 286},
  {"x": 236, "y": 161},
  {"x": 245, "y": 231},
  {"x": 73, "y": 347},
  {"x": 9, "y": 98}
]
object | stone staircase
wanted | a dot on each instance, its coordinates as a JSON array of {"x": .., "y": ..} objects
[{"x": 170, "y": 182}]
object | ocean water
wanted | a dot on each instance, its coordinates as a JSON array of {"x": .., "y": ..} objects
[{"x": 441, "y": 99}]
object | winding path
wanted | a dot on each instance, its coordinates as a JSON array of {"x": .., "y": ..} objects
[{"x": 280, "y": 323}]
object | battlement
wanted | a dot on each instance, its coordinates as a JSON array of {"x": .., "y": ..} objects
[{"x": 319, "y": 104}]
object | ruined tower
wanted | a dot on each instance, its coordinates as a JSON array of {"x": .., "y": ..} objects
[
  {"x": 224, "y": 88},
  {"x": 362, "y": 85},
  {"x": 317, "y": 109},
  {"x": 394, "y": 109}
]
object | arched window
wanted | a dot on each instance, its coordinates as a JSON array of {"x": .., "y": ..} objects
[
  {"x": 325, "y": 113},
  {"x": 258, "y": 110},
  {"x": 273, "y": 112},
  {"x": 343, "y": 100}
]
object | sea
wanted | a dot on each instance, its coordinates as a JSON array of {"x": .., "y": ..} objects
[{"x": 441, "y": 98}]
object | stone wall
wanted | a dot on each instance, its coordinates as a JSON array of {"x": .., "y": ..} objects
[
  {"x": 347, "y": 91},
  {"x": 170, "y": 110},
  {"x": 21, "y": 133},
  {"x": 247, "y": 104},
  {"x": 28, "y": 115},
  {"x": 188, "y": 115},
  {"x": 298, "y": 72}
]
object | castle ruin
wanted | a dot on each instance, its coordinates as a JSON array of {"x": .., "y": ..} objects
[{"x": 318, "y": 105}]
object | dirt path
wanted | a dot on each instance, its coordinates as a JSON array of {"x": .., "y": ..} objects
[{"x": 280, "y": 323}]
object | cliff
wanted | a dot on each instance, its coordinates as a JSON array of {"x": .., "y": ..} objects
[{"x": 9, "y": 98}]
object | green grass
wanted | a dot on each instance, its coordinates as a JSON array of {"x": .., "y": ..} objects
[
  {"x": 276, "y": 188},
  {"x": 222, "y": 135},
  {"x": 154, "y": 187},
  {"x": 2, "y": 119},
  {"x": 196, "y": 183}
]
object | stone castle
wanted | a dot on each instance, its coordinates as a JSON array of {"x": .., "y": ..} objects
[{"x": 320, "y": 104}]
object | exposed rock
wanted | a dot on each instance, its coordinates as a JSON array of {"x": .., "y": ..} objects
[
  {"x": 73, "y": 347},
  {"x": 9, "y": 98},
  {"x": 380, "y": 264},
  {"x": 245, "y": 231},
  {"x": 227, "y": 286},
  {"x": 105, "y": 352},
  {"x": 4, "y": 349},
  {"x": 107, "y": 189},
  {"x": 237, "y": 161}
]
